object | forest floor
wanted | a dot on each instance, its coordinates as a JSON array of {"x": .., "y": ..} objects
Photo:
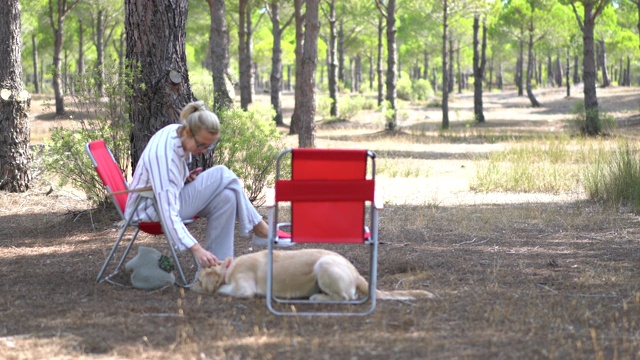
[{"x": 516, "y": 275}]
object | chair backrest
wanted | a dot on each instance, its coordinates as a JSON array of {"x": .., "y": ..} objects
[
  {"x": 109, "y": 172},
  {"x": 328, "y": 191}
]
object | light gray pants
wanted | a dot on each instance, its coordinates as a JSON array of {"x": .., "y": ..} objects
[{"x": 218, "y": 195}]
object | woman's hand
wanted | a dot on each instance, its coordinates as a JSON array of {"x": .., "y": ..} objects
[
  {"x": 193, "y": 175},
  {"x": 205, "y": 258}
]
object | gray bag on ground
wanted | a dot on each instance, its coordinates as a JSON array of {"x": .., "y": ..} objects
[{"x": 147, "y": 273}]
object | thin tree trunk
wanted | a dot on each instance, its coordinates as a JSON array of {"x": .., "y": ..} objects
[
  {"x": 576, "y": 70},
  {"x": 36, "y": 78},
  {"x": 445, "y": 67},
  {"x": 14, "y": 104},
  {"x": 219, "y": 51},
  {"x": 530, "y": 95},
  {"x": 379, "y": 65},
  {"x": 566, "y": 74},
  {"x": 307, "y": 136},
  {"x": 276, "y": 61},
  {"x": 602, "y": 54},
  {"x": 519, "y": 68},
  {"x": 332, "y": 59},
  {"x": 300, "y": 24},
  {"x": 479, "y": 62},
  {"x": 392, "y": 56},
  {"x": 245, "y": 45},
  {"x": 56, "y": 20}
]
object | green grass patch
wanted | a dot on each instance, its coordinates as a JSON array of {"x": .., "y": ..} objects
[
  {"x": 551, "y": 165},
  {"x": 614, "y": 177}
]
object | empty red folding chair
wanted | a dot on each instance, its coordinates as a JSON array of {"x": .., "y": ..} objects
[
  {"x": 109, "y": 172},
  {"x": 329, "y": 192}
]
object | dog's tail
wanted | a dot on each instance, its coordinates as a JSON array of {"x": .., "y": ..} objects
[{"x": 363, "y": 288}]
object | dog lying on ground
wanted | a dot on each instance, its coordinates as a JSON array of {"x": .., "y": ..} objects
[{"x": 316, "y": 274}]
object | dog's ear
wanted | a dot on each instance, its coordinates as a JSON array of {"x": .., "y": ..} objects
[{"x": 226, "y": 263}]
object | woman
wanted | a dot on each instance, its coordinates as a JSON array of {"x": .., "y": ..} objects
[{"x": 215, "y": 194}]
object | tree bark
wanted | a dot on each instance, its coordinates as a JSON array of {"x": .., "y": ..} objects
[
  {"x": 306, "y": 138},
  {"x": 589, "y": 71},
  {"x": 219, "y": 53},
  {"x": 300, "y": 20},
  {"x": 479, "y": 62},
  {"x": 379, "y": 64},
  {"x": 445, "y": 66},
  {"x": 56, "y": 20},
  {"x": 392, "y": 59},
  {"x": 530, "y": 95},
  {"x": 245, "y": 56},
  {"x": 602, "y": 55},
  {"x": 276, "y": 61},
  {"x": 36, "y": 77},
  {"x": 156, "y": 50},
  {"x": 519, "y": 67},
  {"x": 14, "y": 104},
  {"x": 332, "y": 59}
]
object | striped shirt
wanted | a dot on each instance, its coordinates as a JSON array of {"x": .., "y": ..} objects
[{"x": 163, "y": 166}]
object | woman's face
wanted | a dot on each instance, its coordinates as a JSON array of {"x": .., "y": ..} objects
[{"x": 199, "y": 143}]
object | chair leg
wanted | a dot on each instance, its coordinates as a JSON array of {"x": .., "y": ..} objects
[{"x": 113, "y": 251}]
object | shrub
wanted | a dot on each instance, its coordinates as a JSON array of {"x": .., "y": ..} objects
[
  {"x": 65, "y": 156},
  {"x": 249, "y": 145},
  {"x": 422, "y": 90},
  {"x": 404, "y": 88}
]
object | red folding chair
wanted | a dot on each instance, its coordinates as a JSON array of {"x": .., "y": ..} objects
[
  {"x": 109, "y": 172},
  {"x": 329, "y": 192}
]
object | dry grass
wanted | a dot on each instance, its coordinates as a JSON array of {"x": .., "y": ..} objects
[{"x": 517, "y": 276}]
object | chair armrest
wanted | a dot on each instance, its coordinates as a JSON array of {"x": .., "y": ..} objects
[{"x": 143, "y": 191}]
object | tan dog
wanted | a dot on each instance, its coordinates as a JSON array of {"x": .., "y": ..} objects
[{"x": 308, "y": 273}]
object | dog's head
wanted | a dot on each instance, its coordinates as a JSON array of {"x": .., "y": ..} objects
[{"x": 210, "y": 279}]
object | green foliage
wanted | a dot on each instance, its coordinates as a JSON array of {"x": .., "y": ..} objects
[
  {"x": 421, "y": 90},
  {"x": 350, "y": 106},
  {"x": 65, "y": 157},
  {"x": 404, "y": 88},
  {"x": 249, "y": 145},
  {"x": 614, "y": 178},
  {"x": 323, "y": 106}
]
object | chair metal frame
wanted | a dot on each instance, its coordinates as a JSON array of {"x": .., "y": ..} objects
[
  {"x": 153, "y": 228},
  {"x": 375, "y": 204}
]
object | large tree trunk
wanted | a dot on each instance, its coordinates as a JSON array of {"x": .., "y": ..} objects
[
  {"x": 479, "y": 62},
  {"x": 307, "y": 136},
  {"x": 14, "y": 104},
  {"x": 300, "y": 20},
  {"x": 219, "y": 52},
  {"x": 156, "y": 49},
  {"x": 332, "y": 59},
  {"x": 245, "y": 45},
  {"x": 445, "y": 66},
  {"x": 36, "y": 77}
]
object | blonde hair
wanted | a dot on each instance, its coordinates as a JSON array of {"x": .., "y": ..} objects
[{"x": 196, "y": 117}]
